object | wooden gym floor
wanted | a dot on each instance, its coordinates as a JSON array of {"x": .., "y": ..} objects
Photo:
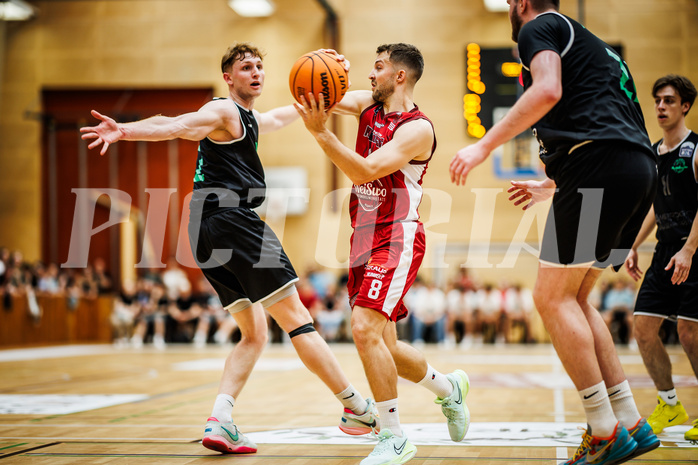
[{"x": 101, "y": 404}]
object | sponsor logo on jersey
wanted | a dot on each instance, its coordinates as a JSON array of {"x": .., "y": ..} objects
[
  {"x": 687, "y": 149},
  {"x": 371, "y": 195},
  {"x": 374, "y": 137},
  {"x": 375, "y": 271},
  {"x": 679, "y": 166}
]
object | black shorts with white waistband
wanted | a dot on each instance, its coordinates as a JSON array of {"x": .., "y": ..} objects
[
  {"x": 659, "y": 297},
  {"x": 604, "y": 191},
  {"x": 240, "y": 256}
]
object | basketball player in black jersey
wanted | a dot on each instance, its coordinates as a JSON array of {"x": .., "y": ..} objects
[
  {"x": 237, "y": 252},
  {"x": 580, "y": 98},
  {"x": 670, "y": 288}
]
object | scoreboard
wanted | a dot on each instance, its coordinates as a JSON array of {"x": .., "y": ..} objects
[
  {"x": 492, "y": 87},
  {"x": 492, "y": 81}
]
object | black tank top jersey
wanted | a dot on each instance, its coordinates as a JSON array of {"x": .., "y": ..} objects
[
  {"x": 676, "y": 202},
  {"x": 233, "y": 169},
  {"x": 599, "y": 100}
]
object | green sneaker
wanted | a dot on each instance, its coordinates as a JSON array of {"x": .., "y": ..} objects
[
  {"x": 666, "y": 415},
  {"x": 226, "y": 438},
  {"x": 454, "y": 408},
  {"x": 390, "y": 450}
]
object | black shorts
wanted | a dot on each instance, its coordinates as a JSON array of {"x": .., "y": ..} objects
[
  {"x": 257, "y": 267},
  {"x": 658, "y": 297},
  {"x": 604, "y": 191}
]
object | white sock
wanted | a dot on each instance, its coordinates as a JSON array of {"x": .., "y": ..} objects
[
  {"x": 437, "y": 383},
  {"x": 223, "y": 408},
  {"x": 351, "y": 399},
  {"x": 598, "y": 410},
  {"x": 669, "y": 396},
  {"x": 390, "y": 418},
  {"x": 623, "y": 404}
]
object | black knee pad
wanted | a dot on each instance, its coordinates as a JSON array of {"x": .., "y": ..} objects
[{"x": 306, "y": 328}]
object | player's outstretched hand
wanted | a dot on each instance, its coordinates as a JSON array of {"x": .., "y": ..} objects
[
  {"x": 464, "y": 161},
  {"x": 681, "y": 263},
  {"x": 531, "y": 192},
  {"x": 313, "y": 113},
  {"x": 632, "y": 266},
  {"x": 107, "y": 132}
]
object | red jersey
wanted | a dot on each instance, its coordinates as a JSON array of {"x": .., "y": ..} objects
[{"x": 394, "y": 197}]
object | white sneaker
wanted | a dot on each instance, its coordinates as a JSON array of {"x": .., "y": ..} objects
[
  {"x": 226, "y": 438},
  {"x": 453, "y": 406},
  {"x": 354, "y": 424},
  {"x": 391, "y": 450},
  {"x": 159, "y": 342},
  {"x": 199, "y": 341}
]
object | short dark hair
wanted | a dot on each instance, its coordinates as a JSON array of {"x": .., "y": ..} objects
[
  {"x": 540, "y": 5},
  {"x": 406, "y": 55},
  {"x": 684, "y": 87},
  {"x": 237, "y": 52}
]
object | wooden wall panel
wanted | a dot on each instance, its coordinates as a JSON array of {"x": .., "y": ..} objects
[
  {"x": 59, "y": 323},
  {"x": 67, "y": 110}
]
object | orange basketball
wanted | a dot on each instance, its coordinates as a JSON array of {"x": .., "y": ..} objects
[{"x": 318, "y": 73}]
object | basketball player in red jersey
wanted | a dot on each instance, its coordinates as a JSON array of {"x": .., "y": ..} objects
[{"x": 394, "y": 145}]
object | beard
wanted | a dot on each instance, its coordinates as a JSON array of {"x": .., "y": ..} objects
[
  {"x": 516, "y": 24},
  {"x": 381, "y": 93}
]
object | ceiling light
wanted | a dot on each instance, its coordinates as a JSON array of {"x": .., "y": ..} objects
[
  {"x": 252, "y": 8},
  {"x": 16, "y": 10},
  {"x": 496, "y": 5}
]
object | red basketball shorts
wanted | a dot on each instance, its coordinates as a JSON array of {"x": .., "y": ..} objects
[{"x": 383, "y": 265}]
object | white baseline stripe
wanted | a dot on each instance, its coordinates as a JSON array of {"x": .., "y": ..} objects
[{"x": 17, "y": 355}]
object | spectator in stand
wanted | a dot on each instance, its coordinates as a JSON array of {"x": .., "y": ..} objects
[
  {"x": 309, "y": 297},
  {"x": 124, "y": 312},
  {"x": 213, "y": 315},
  {"x": 175, "y": 279},
  {"x": 151, "y": 316},
  {"x": 342, "y": 305},
  {"x": 69, "y": 283},
  {"x": 103, "y": 281},
  {"x": 457, "y": 311},
  {"x": 330, "y": 321},
  {"x": 490, "y": 305},
  {"x": 428, "y": 314},
  {"x": 183, "y": 318},
  {"x": 518, "y": 307},
  {"x": 48, "y": 279},
  {"x": 88, "y": 282},
  {"x": 464, "y": 280},
  {"x": 4, "y": 263},
  {"x": 619, "y": 303},
  {"x": 321, "y": 280}
]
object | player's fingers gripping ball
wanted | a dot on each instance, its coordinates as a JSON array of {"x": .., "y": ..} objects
[{"x": 318, "y": 73}]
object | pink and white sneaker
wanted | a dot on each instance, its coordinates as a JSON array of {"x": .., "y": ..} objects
[
  {"x": 355, "y": 425},
  {"x": 226, "y": 438}
]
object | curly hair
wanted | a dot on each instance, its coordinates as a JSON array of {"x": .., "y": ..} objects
[{"x": 237, "y": 52}]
